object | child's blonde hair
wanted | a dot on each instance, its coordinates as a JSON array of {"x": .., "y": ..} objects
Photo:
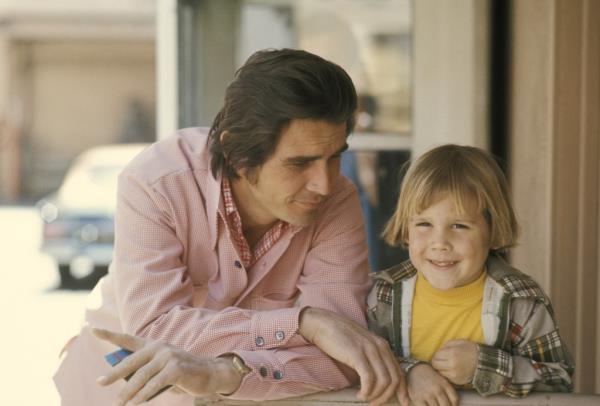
[{"x": 463, "y": 173}]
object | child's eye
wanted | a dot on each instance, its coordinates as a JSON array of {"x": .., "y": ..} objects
[
  {"x": 422, "y": 224},
  {"x": 460, "y": 226}
]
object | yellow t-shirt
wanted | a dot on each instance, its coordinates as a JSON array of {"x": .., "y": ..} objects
[{"x": 439, "y": 316}]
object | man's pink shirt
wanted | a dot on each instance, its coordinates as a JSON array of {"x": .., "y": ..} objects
[{"x": 177, "y": 277}]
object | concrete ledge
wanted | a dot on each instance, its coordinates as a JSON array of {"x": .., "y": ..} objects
[{"x": 467, "y": 398}]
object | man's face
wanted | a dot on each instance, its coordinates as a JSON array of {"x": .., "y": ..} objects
[{"x": 293, "y": 182}]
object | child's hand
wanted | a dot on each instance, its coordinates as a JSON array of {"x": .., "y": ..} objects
[
  {"x": 456, "y": 360},
  {"x": 428, "y": 388}
]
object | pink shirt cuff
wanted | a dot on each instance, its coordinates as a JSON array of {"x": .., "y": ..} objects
[{"x": 276, "y": 328}]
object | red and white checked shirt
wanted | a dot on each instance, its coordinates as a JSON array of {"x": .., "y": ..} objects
[
  {"x": 177, "y": 277},
  {"x": 248, "y": 256}
]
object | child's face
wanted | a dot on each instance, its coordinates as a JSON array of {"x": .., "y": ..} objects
[{"x": 447, "y": 247}]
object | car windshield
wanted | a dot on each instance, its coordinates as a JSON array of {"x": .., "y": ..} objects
[
  {"x": 90, "y": 186},
  {"x": 104, "y": 176},
  {"x": 91, "y": 183}
]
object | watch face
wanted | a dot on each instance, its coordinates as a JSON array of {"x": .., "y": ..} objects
[{"x": 239, "y": 365}]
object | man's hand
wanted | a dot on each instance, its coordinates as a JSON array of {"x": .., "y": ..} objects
[
  {"x": 426, "y": 387},
  {"x": 155, "y": 365},
  {"x": 457, "y": 361},
  {"x": 368, "y": 354}
]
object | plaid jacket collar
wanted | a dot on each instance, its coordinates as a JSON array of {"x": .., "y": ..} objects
[{"x": 515, "y": 283}]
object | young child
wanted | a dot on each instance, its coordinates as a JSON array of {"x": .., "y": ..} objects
[{"x": 456, "y": 314}]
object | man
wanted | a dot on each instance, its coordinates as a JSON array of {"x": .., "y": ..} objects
[{"x": 219, "y": 233}]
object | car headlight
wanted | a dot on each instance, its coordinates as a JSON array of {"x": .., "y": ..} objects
[
  {"x": 48, "y": 212},
  {"x": 89, "y": 233}
]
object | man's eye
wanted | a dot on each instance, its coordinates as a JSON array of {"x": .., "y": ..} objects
[{"x": 300, "y": 164}]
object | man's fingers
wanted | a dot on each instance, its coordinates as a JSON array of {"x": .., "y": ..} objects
[
  {"x": 126, "y": 367},
  {"x": 148, "y": 386},
  {"x": 367, "y": 379},
  {"x": 382, "y": 372},
  {"x": 402, "y": 397},
  {"x": 368, "y": 376},
  {"x": 392, "y": 372},
  {"x": 449, "y": 394},
  {"x": 442, "y": 395},
  {"x": 378, "y": 371},
  {"x": 139, "y": 378},
  {"x": 384, "y": 375},
  {"x": 143, "y": 376},
  {"x": 402, "y": 388},
  {"x": 452, "y": 395},
  {"x": 126, "y": 341},
  {"x": 381, "y": 394},
  {"x": 155, "y": 386},
  {"x": 386, "y": 395},
  {"x": 442, "y": 400},
  {"x": 428, "y": 401}
]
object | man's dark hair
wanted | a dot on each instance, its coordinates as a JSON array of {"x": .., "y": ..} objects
[{"x": 271, "y": 89}]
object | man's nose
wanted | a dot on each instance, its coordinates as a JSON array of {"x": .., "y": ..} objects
[{"x": 320, "y": 179}]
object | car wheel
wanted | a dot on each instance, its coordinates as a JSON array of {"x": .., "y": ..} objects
[{"x": 69, "y": 281}]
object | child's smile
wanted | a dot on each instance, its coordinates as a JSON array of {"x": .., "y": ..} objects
[
  {"x": 449, "y": 248},
  {"x": 442, "y": 265}
]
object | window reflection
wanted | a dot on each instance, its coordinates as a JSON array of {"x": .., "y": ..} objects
[{"x": 371, "y": 40}]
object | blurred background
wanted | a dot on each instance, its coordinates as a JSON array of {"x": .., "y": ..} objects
[{"x": 84, "y": 86}]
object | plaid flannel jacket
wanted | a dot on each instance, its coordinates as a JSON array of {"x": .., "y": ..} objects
[{"x": 523, "y": 350}]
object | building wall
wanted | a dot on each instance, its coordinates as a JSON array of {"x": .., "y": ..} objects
[
  {"x": 450, "y": 102},
  {"x": 76, "y": 95},
  {"x": 555, "y": 130},
  {"x": 72, "y": 75}
]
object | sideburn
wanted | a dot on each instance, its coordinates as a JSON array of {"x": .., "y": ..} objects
[{"x": 251, "y": 175}]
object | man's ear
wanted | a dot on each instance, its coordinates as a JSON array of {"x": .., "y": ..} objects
[
  {"x": 223, "y": 135},
  {"x": 222, "y": 138}
]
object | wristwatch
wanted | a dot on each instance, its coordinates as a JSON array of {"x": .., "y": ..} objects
[{"x": 239, "y": 365}]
